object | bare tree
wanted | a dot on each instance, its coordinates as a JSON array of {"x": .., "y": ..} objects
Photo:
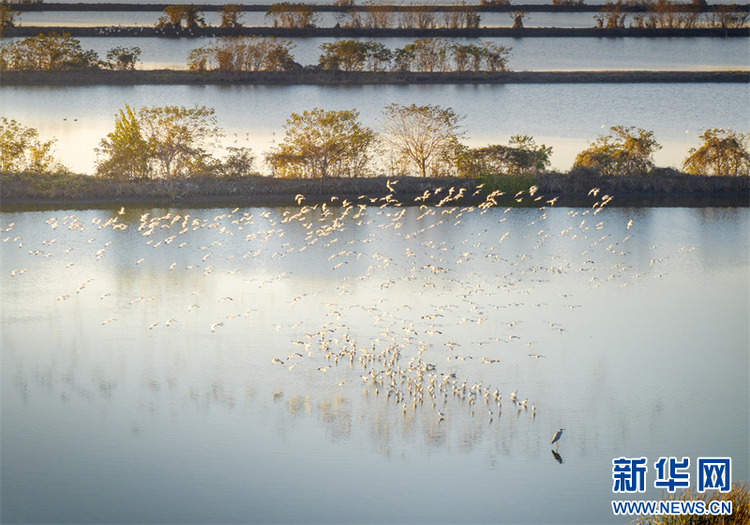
[{"x": 422, "y": 135}]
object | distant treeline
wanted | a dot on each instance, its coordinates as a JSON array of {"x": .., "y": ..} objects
[
  {"x": 381, "y": 14},
  {"x": 364, "y": 62},
  {"x": 487, "y": 6},
  {"x": 174, "y": 143}
]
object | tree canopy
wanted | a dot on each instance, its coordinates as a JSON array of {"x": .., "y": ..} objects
[
  {"x": 322, "y": 143},
  {"x": 8, "y": 17},
  {"x": 626, "y": 151},
  {"x": 230, "y": 15},
  {"x": 46, "y": 52},
  {"x": 245, "y": 53},
  {"x": 175, "y": 15},
  {"x": 160, "y": 142},
  {"x": 289, "y": 15},
  {"x": 123, "y": 58},
  {"x": 520, "y": 156},
  {"x": 723, "y": 153},
  {"x": 22, "y": 151}
]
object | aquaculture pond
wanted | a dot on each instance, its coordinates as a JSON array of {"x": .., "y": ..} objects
[{"x": 361, "y": 363}]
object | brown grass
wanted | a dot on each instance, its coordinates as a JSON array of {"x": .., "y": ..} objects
[{"x": 739, "y": 496}]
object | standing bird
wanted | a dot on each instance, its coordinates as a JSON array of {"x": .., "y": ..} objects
[{"x": 557, "y": 437}]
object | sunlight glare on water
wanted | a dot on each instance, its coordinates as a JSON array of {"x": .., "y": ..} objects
[{"x": 139, "y": 382}]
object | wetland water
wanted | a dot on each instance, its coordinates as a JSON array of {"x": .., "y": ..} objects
[{"x": 139, "y": 387}]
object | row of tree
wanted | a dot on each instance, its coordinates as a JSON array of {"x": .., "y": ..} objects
[
  {"x": 423, "y": 55},
  {"x": 54, "y": 52},
  {"x": 247, "y": 53},
  {"x": 175, "y": 142},
  {"x": 382, "y": 14},
  {"x": 668, "y": 14}
]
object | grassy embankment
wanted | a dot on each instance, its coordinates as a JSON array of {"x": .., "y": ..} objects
[
  {"x": 668, "y": 189},
  {"x": 739, "y": 495},
  {"x": 322, "y": 77}
]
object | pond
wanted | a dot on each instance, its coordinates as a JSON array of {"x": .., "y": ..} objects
[
  {"x": 564, "y": 116},
  {"x": 258, "y": 19},
  {"x": 194, "y": 365}
]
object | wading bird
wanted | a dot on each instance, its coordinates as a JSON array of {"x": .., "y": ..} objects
[{"x": 557, "y": 436}]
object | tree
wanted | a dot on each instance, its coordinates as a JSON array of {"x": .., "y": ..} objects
[
  {"x": 350, "y": 18},
  {"x": 345, "y": 55},
  {"x": 518, "y": 18},
  {"x": 50, "y": 52},
  {"x": 482, "y": 55},
  {"x": 626, "y": 151},
  {"x": 378, "y": 14},
  {"x": 175, "y": 14},
  {"x": 290, "y": 15},
  {"x": 495, "y": 56},
  {"x": 172, "y": 17},
  {"x": 422, "y": 135},
  {"x": 355, "y": 55},
  {"x": 159, "y": 142},
  {"x": 123, "y": 58},
  {"x": 192, "y": 17},
  {"x": 230, "y": 15},
  {"x": 520, "y": 156},
  {"x": 246, "y": 53},
  {"x": 727, "y": 16},
  {"x": 22, "y": 151},
  {"x": 239, "y": 163},
  {"x": 723, "y": 153},
  {"x": 8, "y": 18},
  {"x": 378, "y": 56},
  {"x": 126, "y": 153},
  {"x": 611, "y": 16},
  {"x": 461, "y": 16},
  {"x": 424, "y": 55},
  {"x": 321, "y": 143}
]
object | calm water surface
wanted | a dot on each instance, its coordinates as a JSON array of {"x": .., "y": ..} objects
[
  {"x": 564, "y": 116},
  {"x": 258, "y": 19},
  {"x": 139, "y": 384}
]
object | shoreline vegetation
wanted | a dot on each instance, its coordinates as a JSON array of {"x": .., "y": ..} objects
[
  {"x": 331, "y": 77},
  {"x": 671, "y": 188},
  {"x": 382, "y": 19},
  {"x": 171, "y": 155}
]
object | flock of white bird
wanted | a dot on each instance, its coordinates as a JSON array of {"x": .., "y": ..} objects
[{"x": 412, "y": 359}]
